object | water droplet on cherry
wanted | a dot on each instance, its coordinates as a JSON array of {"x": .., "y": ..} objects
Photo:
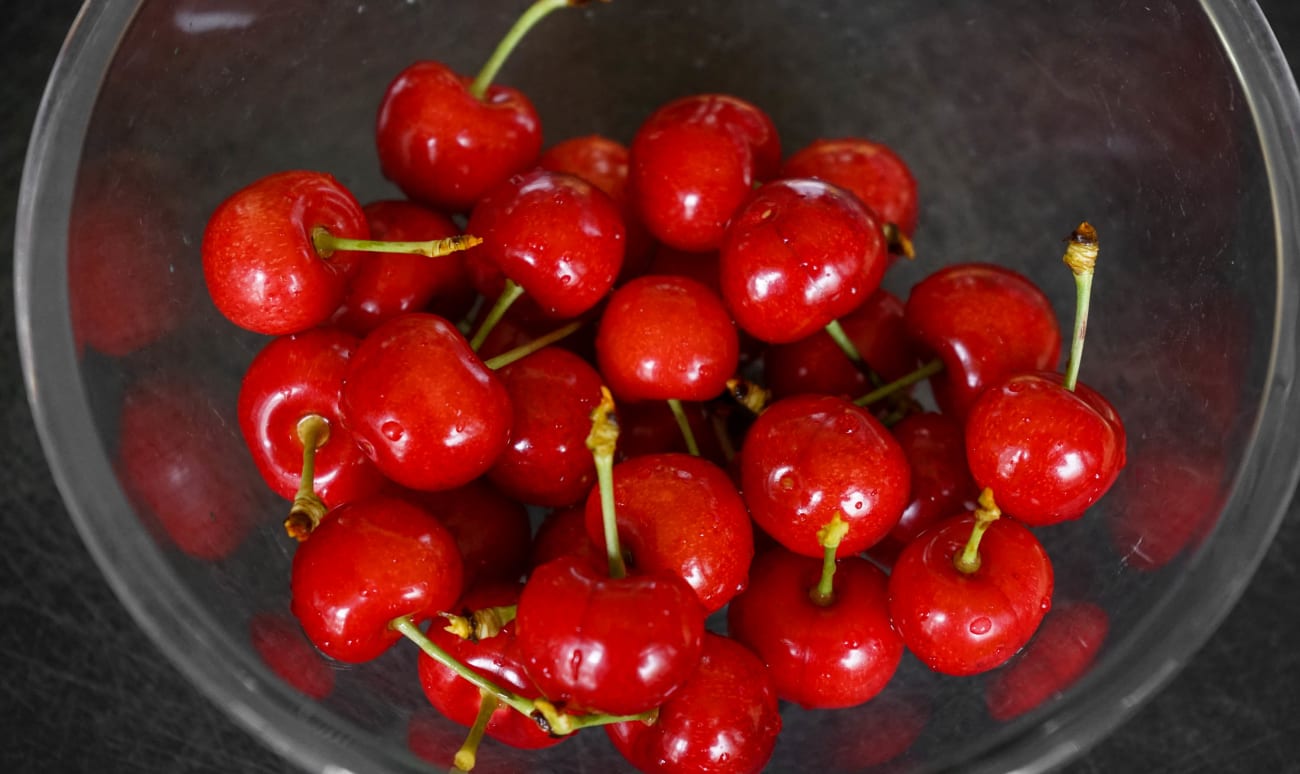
[
  {"x": 980, "y": 626},
  {"x": 393, "y": 431}
]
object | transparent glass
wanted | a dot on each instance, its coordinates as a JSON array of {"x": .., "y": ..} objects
[{"x": 1166, "y": 124}]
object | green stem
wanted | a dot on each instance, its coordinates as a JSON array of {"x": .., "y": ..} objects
[
  {"x": 535, "y": 13},
  {"x": 521, "y": 352},
  {"x": 1081, "y": 257},
  {"x": 684, "y": 425},
  {"x": 968, "y": 560},
  {"x": 327, "y": 244},
  {"x": 308, "y": 508},
  {"x": 880, "y": 393},
  {"x": 841, "y": 339},
  {"x": 509, "y": 294},
  {"x": 601, "y": 441},
  {"x": 467, "y": 755},
  {"x": 830, "y": 537}
]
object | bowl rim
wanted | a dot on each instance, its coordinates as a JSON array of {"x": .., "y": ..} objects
[{"x": 319, "y": 740}]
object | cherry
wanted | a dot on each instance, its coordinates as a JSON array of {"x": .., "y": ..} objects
[
  {"x": 184, "y": 469},
  {"x": 985, "y": 323},
  {"x": 291, "y": 391},
  {"x": 810, "y": 457},
  {"x": 492, "y": 532},
  {"x": 423, "y": 406},
  {"x": 367, "y": 563},
  {"x": 561, "y": 533},
  {"x": 797, "y": 255},
  {"x": 836, "y": 652},
  {"x": 553, "y": 392},
  {"x": 725, "y": 719},
  {"x": 680, "y": 514},
  {"x": 380, "y": 287},
  {"x": 666, "y": 337},
  {"x": 279, "y": 641},
  {"x": 869, "y": 170},
  {"x": 432, "y": 737},
  {"x": 964, "y": 610},
  {"x": 652, "y": 428},
  {"x": 1060, "y": 653}
]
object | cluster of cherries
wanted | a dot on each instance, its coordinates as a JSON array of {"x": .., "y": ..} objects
[{"x": 730, "y": 302}]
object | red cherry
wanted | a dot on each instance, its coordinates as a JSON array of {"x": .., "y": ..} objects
[
  {"x": 561, "y": 533},
  {"x": 666, "y": 338},
  {"x": 651, "y": 428},
  {"x": 492, "y": 532},
  {"x": 960, "y": 623},
  {"x": 368, "y": 562},
  {"x": 680, "y": 514},
  {"x": 724, "y": 720},
  {"x": 382, "y": 286},
  {"x": 553, "y": 393},
  {"x": 292, "y": 378},
  {"x": 184, "y": 468},
  {"x": 1048, "y": 453},
  {"x": 836, "y": 655},
  {"x": 447, "y": 148},
  {"x": 869, "y": 170},
  {"x": 986, "y": 323},
  {"x": 1061, "y": 652},
  {"x": 810, "y": 457},
  {"x": 797, "y": 255},
  {"x": 423, "y": 406},
  {"x": 620, "y": 646},
  {"x": 555, "y": 235},
  {"x": 262, "y": 268},
  {"x": 434, "y": 738},
  {"x": 279, "y": 642}
]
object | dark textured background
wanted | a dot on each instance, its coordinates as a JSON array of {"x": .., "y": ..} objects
[{"x": 83, "y": 690}]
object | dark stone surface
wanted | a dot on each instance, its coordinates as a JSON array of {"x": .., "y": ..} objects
[{"x": 83, "y": 690}]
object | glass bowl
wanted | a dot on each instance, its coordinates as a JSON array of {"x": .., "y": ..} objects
[{"x": 1166, "y": 124}]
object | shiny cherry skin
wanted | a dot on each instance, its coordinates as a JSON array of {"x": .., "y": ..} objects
[
  {"x": 869, "y": 170},
  {"x": 294, "y": 377},
  {"x": 281, "y": 645},
  {"x": 423, "y": 406},
  {"x": 547, "y": 463},
  {"x": 797, "y": 255},
  {"x": 495, "y": 658},
  {"x": 808, "y": 458},
  {"x": 186, "y": 471},
  {"x": 446, "y": 148},
  {"x": 262, "y": 270},
  {"x": 492, "y": 531},
  {"x": 986, "y": 323},
  {"x": 649, "y": 427},
  {"x": 383, "y": 285},
  {"x": 837, "y": 655},
  {"x": 680, "y": 514},
  {"x": 1065, "y": 646},
  {"x": 366, "y": 563},
  {"x": 935, "y": 447},
  {"x": 816, "y": 364},
  {"x": 561, "y": 533},
  {"x": 724, "y": 720},
  {"x": 1046, "y": 452},
  {"x": 620, "y": 646},
  {"x": 963, "y": 624},
  {"x": 557, "y": 236},
  {"x": 664, "y": 337}
]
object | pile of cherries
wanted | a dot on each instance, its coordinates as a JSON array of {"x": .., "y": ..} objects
[{"x": 682, "y": 350}]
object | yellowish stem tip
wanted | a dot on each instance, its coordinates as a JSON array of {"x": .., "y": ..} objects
[
  {"x": 604, "y": 425},
  {"x": 1082, "y": 248}
]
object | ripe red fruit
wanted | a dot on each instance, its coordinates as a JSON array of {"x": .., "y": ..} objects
[
  {"x": 810, "y": 457},
  {"x": 986, "y": 323},
  {"x": 365, "y": 564},
  {"x": 280, "y": 643},
  {"x": 615, "y": 645},
  {"x": 1048, "y": 453},
  {"x": 680, "y": 514},
  {"x": 262, "y": 269},
  {"x": 423, "y": 406},
  {"x": 666, "y": 337},
  {"x": 962, "y": 624},
  {"x": 869, "y": 170},
  {"x": 724, "y": 720},
  {"x": 820, "y": 656},
  {"x": 561, "y": 533},
  {"x": 797, "y": 255},
  {"x": 443, "y": 146},
  {"x": 1064, "y": 647},
  {"x": 492, "y": 532}
]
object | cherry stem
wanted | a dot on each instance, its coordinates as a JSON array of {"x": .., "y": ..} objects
[
  {"x": 829, "y": 537},
  {"x": 748, "y": 394},
  {"x": 1081, "y": 257},
  {"x": 684, "y": 425},
  {"x": 308, "y": 508},
  {"x": 535, "y": 13},
  {"x": 719, "y": 423},
  {"x": 899, "y": 243},
  {"x": 842, "y": 340},
  {"x": 479, "y": 624},
  {"x": 541, "y": 342},
  {"x": 509, "y": 294},
  {"x": 467, "y": 755},
  {"x": 880, "y": 393},
  {"x": 987, "y": 512},
  {"x": 327, "y": 244},
  {"x": 601, "y": 441}
]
